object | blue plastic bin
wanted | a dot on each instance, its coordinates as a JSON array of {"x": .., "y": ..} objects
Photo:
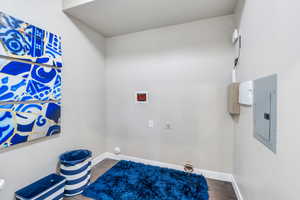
[
  {"x": 49, "y": 188},
  {"x": 75, "y": 166}
]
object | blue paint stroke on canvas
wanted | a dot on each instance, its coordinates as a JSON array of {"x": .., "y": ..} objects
[
  {"x": 27, "y": 82},
  {"x": 6, "y": 126},
  {"x": 27, "y": 42},
  {"x": 25, "y": 122}
]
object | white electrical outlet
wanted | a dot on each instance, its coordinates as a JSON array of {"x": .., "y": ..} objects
[
  {"x": 150, "y": 124},
  {"x": 2, "y": 183},
  {"x": 246, "y": 93}
]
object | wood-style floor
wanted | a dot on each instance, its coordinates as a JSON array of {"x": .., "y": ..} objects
[{"x": 218, "y": 190}]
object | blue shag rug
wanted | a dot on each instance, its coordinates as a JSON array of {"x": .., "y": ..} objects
[{"x": 134, "y": 181}]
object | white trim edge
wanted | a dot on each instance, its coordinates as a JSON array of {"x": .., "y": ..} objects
[
  {"x": 207, "y": 173},
  {"x": 100, "y": 158},
  {"x": 236, "y": 189}
]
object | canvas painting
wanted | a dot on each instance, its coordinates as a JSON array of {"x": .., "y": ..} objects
[
  {"x": 27, "y": 42},
  {"x": 30, "y": 82},
  {"x": 25, "y": 122}
]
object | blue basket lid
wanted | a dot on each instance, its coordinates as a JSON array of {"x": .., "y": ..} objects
[
  {"x": 75, "y": 157},
  {"x": 35, "y": 189}
]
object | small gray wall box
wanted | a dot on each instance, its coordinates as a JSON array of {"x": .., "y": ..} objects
[{"x": 265, "y": 111}]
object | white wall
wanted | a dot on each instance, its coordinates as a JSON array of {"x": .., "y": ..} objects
[
  {"x": 83, "y": 91},
  {"x": 186, "y": 68},
  {"x": 271, "y": 41}
]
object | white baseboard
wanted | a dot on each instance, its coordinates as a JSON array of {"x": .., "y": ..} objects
[
  {"x": 100, "y": 158},
  {"x": 237, "y": 189},
  {"x": 206, "y": 173}
]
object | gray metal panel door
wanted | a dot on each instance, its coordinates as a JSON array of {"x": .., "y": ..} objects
[{"x": 265, "y": 114}]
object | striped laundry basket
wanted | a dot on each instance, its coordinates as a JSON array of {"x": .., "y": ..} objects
[
  {"x": 75, "y": 166},
  {"x": 49, "y": 188}
]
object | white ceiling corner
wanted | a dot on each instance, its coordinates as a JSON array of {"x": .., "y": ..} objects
[{"x": 118, "y": 17}]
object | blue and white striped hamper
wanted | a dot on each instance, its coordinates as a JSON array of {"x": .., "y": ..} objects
[
  {"x": 49, "y": 188},
  {"x": 75, "y": 166}
]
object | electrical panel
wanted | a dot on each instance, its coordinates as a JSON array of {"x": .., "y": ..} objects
[{"x": 265, "y": 111}]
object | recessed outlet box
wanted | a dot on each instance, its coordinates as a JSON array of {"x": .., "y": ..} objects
[
  {"x": 233, "y": 99},
  {"x": 168, "y": 126},
  {"x": 141, "y": 97}
]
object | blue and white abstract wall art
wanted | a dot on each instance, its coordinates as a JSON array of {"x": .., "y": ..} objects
[
  {"x": 24, "y": 41},
  {"x": 25, "y": 122},
  {"x": 30, "y": 82}
]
